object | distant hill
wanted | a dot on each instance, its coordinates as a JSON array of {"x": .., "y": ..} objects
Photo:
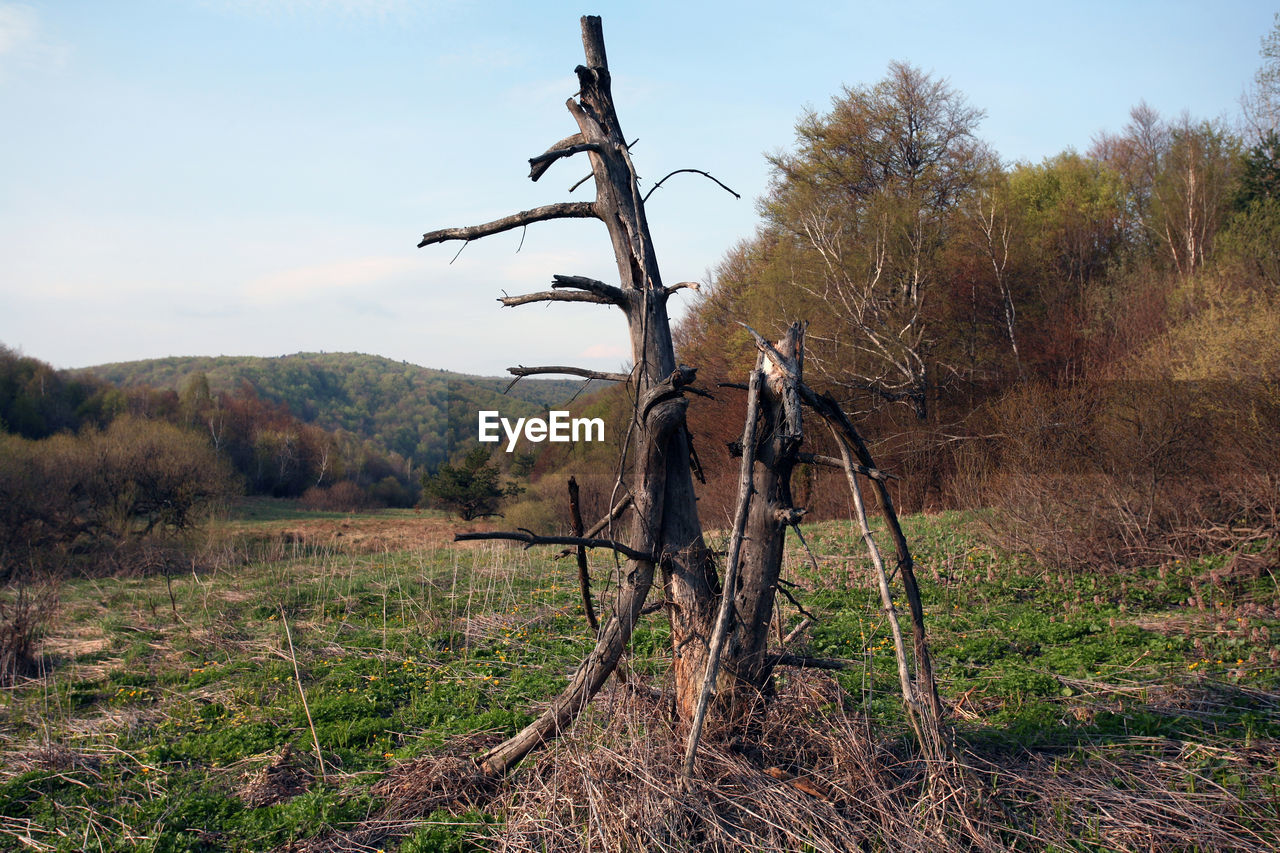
[{"x": 420, "y": 413}]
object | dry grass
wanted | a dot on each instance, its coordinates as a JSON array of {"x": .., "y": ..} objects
[{"x": 815, "y": 777}]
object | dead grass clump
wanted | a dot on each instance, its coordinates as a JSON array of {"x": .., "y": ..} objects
[
  {"x": 448, "y": 780},
  {"x": 1171, "y": 796},
  {"x": 283, "y": 779},
  {"x": 24, "y": 615},
  {"x": 52, "y": 756},
  {"x": 812, "y": 778}
]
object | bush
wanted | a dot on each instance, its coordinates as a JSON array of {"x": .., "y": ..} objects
[
  {"x": 471, "y": 488},
  {"x": 345, "y": 496},
  {"x": 23, "y": 616},
  {"x": 1113, "y": 473},
  {"x": 67, "y": 496}
]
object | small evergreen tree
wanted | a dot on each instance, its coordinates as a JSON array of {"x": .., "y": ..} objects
[{"x": 471, "y": 488}]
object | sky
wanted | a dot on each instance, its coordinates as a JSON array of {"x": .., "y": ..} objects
[{"x": 251, "y": 177}]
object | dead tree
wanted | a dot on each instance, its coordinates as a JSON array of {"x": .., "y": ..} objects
[{"x": 656, "y": 501}]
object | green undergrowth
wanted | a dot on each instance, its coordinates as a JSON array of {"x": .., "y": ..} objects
[{"x": 164, "y": 701}]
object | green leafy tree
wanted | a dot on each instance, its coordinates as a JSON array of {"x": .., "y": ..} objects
[
  {"x": 472, "y": 488},
  {"x": 1252, "y": 236},
  {"x": 861, "y": 212}
]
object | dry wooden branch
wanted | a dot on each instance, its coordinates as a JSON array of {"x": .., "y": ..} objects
[
  {"x": 832, "y": 462},
  {"x": 553, "y": 296},
  {"x": 565, "y": 148},
  {"x": 559, "y": 210},
  {"x": 531, "y": 539},
  {"x": 731, "y": 569},
  {"x": 584, "y": 576},
  {"x": 521, "y": 372},
  {"x": 599, "y": 288},
  {"x": 706, "y": 175},
  {"x": 681, "y": 285}
]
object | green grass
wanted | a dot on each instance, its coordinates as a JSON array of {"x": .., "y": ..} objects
[{"x": 153, "y": 715}]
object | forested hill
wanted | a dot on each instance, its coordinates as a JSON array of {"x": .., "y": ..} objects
[{"x": 420, "y": 413}]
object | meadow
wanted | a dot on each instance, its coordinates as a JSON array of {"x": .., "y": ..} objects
[{"x": 274, "y": 689}]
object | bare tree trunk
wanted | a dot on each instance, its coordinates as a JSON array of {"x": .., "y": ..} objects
[{"x": 664, "y": 520}]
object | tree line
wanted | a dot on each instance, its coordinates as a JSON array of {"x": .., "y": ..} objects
[
  {"x": 87, "y": 467},
  {"x": 1097, "y": 328}
]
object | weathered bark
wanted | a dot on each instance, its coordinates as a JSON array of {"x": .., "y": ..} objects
[
  {"x": 771, "y": 513},
  {"x": 688, "y": 573}
]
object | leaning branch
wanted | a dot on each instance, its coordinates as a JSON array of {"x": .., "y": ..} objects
[
  {"x": 531, "y": 539},
  {"x": 723, "y": 616},
  {"x": 559, "y": 210},
  {"x": 832, "y": 462}
]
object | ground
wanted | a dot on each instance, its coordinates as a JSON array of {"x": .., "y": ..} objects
[{"x": 185, "y": 713}]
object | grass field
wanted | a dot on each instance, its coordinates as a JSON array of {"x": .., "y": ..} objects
[{"x": 185, "y": 712}]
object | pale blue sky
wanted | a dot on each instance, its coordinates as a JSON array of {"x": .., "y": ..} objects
[{"x": 250, "y": 177}]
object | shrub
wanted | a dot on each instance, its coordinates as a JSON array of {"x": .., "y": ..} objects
[
  {"x": 345, "y": 496},
  {"x": 23, "y": 616},
  {"x": 470, "y": 488},
  {"x": 66, "y": 496}
]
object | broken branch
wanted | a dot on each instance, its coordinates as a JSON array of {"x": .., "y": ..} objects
[
  {"x": 522, "y": 371},
  {"x": 553, "y": 296},
  {"x": 692, "y": 285},
  {"x": 564, "y": 148},
  {"x": 581, "y": 282},
  {"x": 559, "y": 210}
]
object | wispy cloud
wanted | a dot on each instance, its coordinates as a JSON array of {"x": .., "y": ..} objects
[
  {"x": 18, "y": 25},
  {"x": 22, "y": 42},
  {"x": 356, "y": 274}
]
